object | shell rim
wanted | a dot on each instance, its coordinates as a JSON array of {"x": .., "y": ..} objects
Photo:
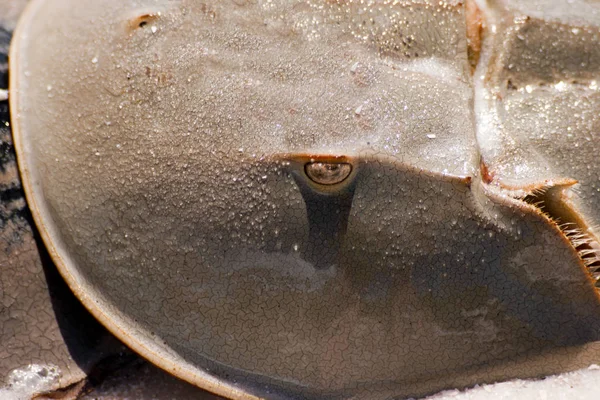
[{"x": 118, "y": 325}]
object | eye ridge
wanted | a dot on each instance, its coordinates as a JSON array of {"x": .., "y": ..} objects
[{"x": 328, "y": 173}]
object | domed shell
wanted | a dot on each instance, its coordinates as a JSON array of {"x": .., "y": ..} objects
[{"x": 284, "y": 199}]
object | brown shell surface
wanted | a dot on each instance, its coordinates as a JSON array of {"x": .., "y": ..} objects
[{"x": 163, "y": 147}]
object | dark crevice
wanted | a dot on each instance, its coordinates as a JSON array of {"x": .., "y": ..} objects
[
  {"x": 13, "y": 207},
  {"x": 5, "y": 36}
]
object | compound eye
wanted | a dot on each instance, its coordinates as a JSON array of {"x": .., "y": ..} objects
[{"x": 328, "y": 173}]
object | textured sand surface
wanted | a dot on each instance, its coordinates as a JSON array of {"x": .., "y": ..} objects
[{"x": 578, "y": 385}]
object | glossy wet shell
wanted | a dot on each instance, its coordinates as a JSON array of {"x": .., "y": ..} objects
[{"x": 166, "y": 149}]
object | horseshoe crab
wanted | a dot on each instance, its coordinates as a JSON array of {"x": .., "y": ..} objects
[{"x": 319, "y": 199}]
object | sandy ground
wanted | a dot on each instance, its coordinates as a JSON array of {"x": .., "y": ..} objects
[{"x": 579, "y": 385}]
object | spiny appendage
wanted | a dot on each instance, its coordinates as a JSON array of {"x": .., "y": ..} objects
[
  {"x": 587, "y": 247},
  {"x": 550, "y": 201}
]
